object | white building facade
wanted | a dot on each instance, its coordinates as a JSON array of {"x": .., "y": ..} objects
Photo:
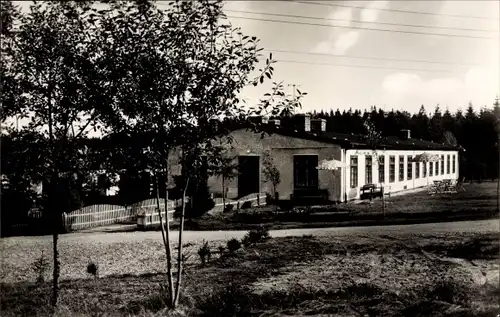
[{"x": 394, "y": 170}]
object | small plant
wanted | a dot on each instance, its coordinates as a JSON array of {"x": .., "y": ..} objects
[
  {"x": 93, "y": 269},
  {"x": 258, "y": 235},
  {"x": 233, "y": 245},
  {"x": 40, "y": 267},
  {"x": 228, "y": 208},
  {"x": 222, "y": 249},
  {"x": 204, "y": 253},
  {"x": 246, "y": 205}
]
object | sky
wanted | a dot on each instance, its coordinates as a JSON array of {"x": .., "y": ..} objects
[
  {"x": 469, "y": 71},
  {"x": 354, "y": 67}
]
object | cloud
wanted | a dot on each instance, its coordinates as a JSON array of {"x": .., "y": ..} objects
[
  {"x": 341, "y": 40},
  {"x": 344, "y": 42},
  {"x": 478, "y": 85},
  {"x": 345, "y": 15},
  {"x": 371, "y": 11}
]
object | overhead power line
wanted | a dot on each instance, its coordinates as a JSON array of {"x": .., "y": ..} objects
[
  {"x": 368, "y": 57},
  {"x": 362, "y": 28},
  {"x": 396, "y": 10},
  {"x": 366, "y": 66},
  {"x": 359, "y": 21}
]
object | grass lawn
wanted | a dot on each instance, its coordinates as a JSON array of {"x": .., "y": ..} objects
[
  {"x": 376, "y": 275},
  {"x": 478, "y": 200}
]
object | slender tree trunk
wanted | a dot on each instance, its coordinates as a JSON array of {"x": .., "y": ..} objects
[
  {"x": 55, "y": 238},
  {"x": 223, "y": 195},
  {"x": 166, "y": 241},
  {"x": 54, "y": 181},
  {"x": 179, "y": 254}
]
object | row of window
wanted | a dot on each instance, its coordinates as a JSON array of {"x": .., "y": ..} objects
[{"x": 437, "y": 168}]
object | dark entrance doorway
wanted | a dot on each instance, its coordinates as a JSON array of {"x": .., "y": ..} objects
[{"x": 248, "y": 175}]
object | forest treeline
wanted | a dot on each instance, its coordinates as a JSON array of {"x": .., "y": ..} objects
[{"x": 475, "y": 131}]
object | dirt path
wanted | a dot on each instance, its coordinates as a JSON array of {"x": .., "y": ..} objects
[{"x": 193, "y": 236}]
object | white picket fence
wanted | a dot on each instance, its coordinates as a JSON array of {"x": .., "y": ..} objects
[
  {"x": 147, "y": 216},
  {"x": 101, "y": 215}
]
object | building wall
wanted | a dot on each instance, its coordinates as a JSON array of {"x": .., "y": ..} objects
[
  {"x": 282, "y": 150},
  {"x": 397, "y": 185}
]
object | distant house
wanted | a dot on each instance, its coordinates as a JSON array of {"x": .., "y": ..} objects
[{"x": 298, "y": 147}]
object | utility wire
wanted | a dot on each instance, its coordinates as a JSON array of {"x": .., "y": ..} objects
[
  {"x": 361, "y": 28},
  {"x": 358, "y": 21},
  {"x": 395, "y": 10},
  {"x": 366, "y": 66},
  {"x": 367, "y": 57}
]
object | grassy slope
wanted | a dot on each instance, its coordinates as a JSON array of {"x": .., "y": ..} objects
[
  {"x": 399, "y": 275},
  {"x": 477, "y": 202}
]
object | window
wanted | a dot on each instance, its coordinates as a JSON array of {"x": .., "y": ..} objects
[
  {"x": 417, "y": 170},
  {"x": 431, "y": 168},
  {"x": 436, "y": 168},
  {"x": 401, "y": 168},
  {"x": 392, "y": 168},
  {"x": 448, "y": 164},
  {"x": 305, "y": 171},
  {"x": 381, "y": 169},
  {"x": 453, "y": 165},
  {"x": 368, "y": 171},
  {"x": 442, "y": 164},
  {"x": 354, "y": 171},
  {"x": 425, "y": 170},
  {"x": 409, "y": 167}
]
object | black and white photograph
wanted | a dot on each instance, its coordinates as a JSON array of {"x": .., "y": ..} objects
[{"x": 250, "y": 158}]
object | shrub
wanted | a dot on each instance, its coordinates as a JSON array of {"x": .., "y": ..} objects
[
  {"x": 450, "y": 291},
  {"x": 228, "y": 208},
  {"x": 222, "y": 249},
  {"x": 233, "y": 245},
  {"x": 40, "y": 266},
  {"x": 260, "y": 234},
  {"x": 93, "y": 269},
  {"x": 230, "y": 301},
  {"x": 246, "y": 205},
  {"x": 204, "y": 253}
]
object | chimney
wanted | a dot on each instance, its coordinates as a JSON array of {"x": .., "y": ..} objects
[
  {"x": 318, "y": 125},
  {"x": 302, "y": 122},
  {"x": 405, "y": 134},
  {"x": 274, "y": 123}
]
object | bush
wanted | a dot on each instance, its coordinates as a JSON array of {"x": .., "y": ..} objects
[
  {"x": 233, "y": 245},
  {"x": 222, "y": 249},
  {"x": 40, "y": 266},
  {"x": 93, "y": 269},
  {"x": 450, "y": 291},
  {"x": 246, "y": 205},
  {"x": 231, "y": 301},
  {"x": 204, "y": 253},
  {"x": 258, "y": 235},
  {"x": 228, "y": 208}
]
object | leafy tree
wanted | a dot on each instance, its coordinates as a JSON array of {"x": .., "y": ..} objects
[
  {"x": 271, "y": 173},
  {"x": 224, "y": 167},
  {"x": 175, "y": 69},
  {"x": 54, "y": 79}
]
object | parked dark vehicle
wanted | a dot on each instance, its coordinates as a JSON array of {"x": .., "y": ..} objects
[{"x": 370, "y": 191}]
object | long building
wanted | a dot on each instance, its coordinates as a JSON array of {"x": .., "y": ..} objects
[{"x": 296, "y": 150}]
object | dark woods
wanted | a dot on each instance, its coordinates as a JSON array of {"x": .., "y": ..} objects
[{"x": 475, "y": 131}]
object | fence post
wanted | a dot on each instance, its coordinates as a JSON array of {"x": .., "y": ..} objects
[{"x": 258, "y": 199}]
